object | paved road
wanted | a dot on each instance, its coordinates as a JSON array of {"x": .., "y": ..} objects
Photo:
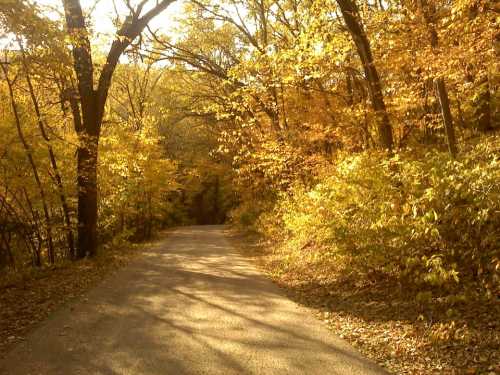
[{"x": 191, "y": 305}]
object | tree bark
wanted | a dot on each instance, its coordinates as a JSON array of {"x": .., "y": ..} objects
[
  {"x": 482, "y": 105},
  {"x": 444, "y": 102},
  {"x": 87, "y": 196},
  {"x": 352, "y": 19},
  {"x": 428, "y": 12}
]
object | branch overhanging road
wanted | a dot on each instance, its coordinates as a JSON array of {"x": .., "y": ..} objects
[{"x": 191, "y": 305}]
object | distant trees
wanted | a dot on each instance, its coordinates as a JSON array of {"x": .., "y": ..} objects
[
  {"x": 304, "y": 95},
  {"x": 284, "y": 72}
]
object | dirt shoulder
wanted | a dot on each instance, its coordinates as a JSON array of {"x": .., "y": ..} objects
[{"x": 385, "y": 324}]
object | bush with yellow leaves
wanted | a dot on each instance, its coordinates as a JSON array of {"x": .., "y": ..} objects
[{"x": 420, "y": 218}]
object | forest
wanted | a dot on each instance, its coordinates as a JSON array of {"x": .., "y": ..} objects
[{"x": 357, "y": 141}]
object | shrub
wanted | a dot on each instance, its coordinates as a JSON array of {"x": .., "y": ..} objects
[{"x": 423, "y": 219}]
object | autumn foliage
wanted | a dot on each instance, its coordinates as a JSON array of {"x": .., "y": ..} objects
[
  {"x": 365, "y": 131},
  {"x": 358, "y": 138}
]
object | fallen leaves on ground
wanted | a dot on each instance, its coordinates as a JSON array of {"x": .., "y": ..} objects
[
  {"x": 388, "y": 326},
  {"x": 27, "y": 300}
]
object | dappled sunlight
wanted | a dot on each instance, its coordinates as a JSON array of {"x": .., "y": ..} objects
[{"x": 193, "y": 293}]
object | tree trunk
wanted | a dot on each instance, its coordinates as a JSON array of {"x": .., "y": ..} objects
[
  {"x": 351, "y": 17},
  {"x": 428, "y": 12},
  {"x": 447, "y": 118},
  {"x": 349, "y": 88},
  {"x": 87, "y": 196}
]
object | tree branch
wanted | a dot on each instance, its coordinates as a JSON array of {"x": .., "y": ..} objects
[{"x": 131, "y": 29}]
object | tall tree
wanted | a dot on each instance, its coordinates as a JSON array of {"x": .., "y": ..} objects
[
  {"x": 92, "y": 99},
  {"x": 350, "y": 13}
]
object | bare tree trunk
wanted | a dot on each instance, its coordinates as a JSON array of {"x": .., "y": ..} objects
[
  {"x": 27, "y": 149},
  {"x": 352, "y": 19},
  {"x": 86, "y": 183},
  {"x": 429, "y": 11},
  {"x": 446, "y": 113},
  {"x": 87, "y": 196}
]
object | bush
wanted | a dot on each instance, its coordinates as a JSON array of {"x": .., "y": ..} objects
[{"x": 422, "y": 219}]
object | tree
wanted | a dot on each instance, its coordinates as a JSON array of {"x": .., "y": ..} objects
[
  {"x": 92, "y": 101},
  {"x": 353, "y": 22},
  {"x": 428, "y": 12}
]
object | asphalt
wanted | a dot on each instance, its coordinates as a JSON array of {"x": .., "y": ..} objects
[{"x": 191, "y": 305}]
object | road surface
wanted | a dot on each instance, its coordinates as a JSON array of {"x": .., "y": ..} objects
[{"x": 191, "y": 305}]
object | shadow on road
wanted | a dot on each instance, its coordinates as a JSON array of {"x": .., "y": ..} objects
[{"x": 191, "y": 305}]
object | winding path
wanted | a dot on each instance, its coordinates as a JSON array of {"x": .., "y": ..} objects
[{"x": 191, "y": 305}]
